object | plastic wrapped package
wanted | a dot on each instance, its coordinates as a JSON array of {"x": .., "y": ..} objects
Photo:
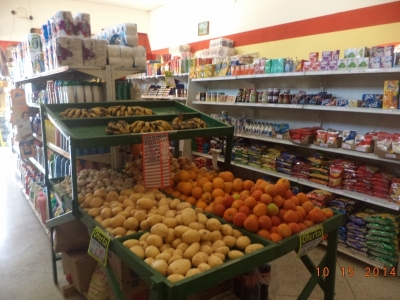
[{"x": 179, "y": 48}]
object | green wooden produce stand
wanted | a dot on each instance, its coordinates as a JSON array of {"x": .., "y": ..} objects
[{"x": 86, "y": 133}]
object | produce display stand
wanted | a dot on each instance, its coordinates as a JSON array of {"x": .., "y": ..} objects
[{"x": 83, "y": 133}]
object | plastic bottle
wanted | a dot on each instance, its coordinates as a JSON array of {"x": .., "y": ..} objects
[
  {"x": 269, "y": 131},
  {"x": 42, "y": 203},
  {"x": 129, "y": 90},
  {"x": 67, "y": 169},
  {"x": 37, "y": 191},
  {"x": 132, "y": 92},
  {"x": 124, "y": 90},
  {"x": 51, "y": 163},
  {"x": 95, "y": 91},
  {"x": 58, "y": 166},
  {"x": 118, "y": 90},
  {"x": 31, "y": 189},
  {"x": 88, "y": 92},
  {"x": 79, "y": 93},
  {"x": 63, "y": 160}
]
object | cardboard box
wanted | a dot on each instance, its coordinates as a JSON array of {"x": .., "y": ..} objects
[
  {"x": 352, "y": 63},
  {"x": 350, "y": 53},
  {"x": 384, "y": 154},
  {"x": 391, "y": 94},
  {"x": 348, "y": 146},
  {"x": 342, "y": 64},
  {"x": 81, "y": 266},
  {"x": 309, "y": 139},
  {"x": 313, "y": 57},
  {"x": 336, "y": 144},
  {"x": 71, "y": 236},
  {"x": 375, "y": 62}
]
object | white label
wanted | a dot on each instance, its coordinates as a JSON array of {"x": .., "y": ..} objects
[
  {"x": 339, "y": 192},
  {"x": 346, "y": 146},
  {"x": 324, "y": 145},
  {"x": 390, "y": 155},
  {"x": 279, "y": 136},
  {"x": 341, "y": 108},
  {"x": 361, "y": 149},
  {"x": 394, "y": 206},
  {"x": 297, "y": 141},
  {"x": 365, "y": 199},
  {"x": 98, "y": 246}
]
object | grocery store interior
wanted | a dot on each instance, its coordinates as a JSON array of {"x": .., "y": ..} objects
[{"x": 163, "y": 149}]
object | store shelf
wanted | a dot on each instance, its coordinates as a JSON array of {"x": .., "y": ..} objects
[
  {"x": 214, "y": 103},
  {"x": 348, "y": 252},
  {"x": 172, "y": 98},
  {"x": 36, "y": 214},
  {"x": 100, "y": 158},
  {"x": 346, "y": 193},
  {"x": 156, "y": 76},
  {"x": 58, "y": 150},
  {"x": 36, "y": 164},
  {"x": 371, "y": 156}
]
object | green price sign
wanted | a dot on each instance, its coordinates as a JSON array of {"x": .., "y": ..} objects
[
  {"x": 98, "y": 247},
  {"x": 309, "y": 239}
]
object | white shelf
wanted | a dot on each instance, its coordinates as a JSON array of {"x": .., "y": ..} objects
[
  {"x": 371, "y": 156},
  {"x": 156, "y": 76},
  {"x": 366, "y": 260},
  {"x": 213, "y": 103},
  {"x": 164, "y": 98},
  {"x": 35, "y": 163},
  {"x": 354, "y": 195},
  {"x": 96, "y": 71}
]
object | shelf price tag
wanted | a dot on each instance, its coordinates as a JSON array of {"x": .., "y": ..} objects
[
  {"x": 98, "y": 246},
  {"x": 310, "y": 239},
  {"x": 388, "y": 155},
  {"x": 156, "y": 163}
]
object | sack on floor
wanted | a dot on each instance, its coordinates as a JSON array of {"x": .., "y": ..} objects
[{"x": 98, "y": 287}]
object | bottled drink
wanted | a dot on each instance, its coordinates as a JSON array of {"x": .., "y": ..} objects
[
  {"x": 38, "y": 189},
  {"x": 27, "y": 182},
  {"x": 42, "y": 202},
  {"x": 32, "y": 190}
]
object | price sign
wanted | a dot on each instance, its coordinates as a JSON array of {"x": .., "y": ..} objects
[
  {"x": 310, "y": 239},
  {"x": 390, "y": 155},
  {"x": 156, "y": 164},
  {"x": 98, "y": 247},
  {"x": 346, "y": 146},
  {"x": 323, "y": 145},
  {"x": 279, "y": 136}
]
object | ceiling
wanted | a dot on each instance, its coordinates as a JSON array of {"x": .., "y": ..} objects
[{"x": 134, "y": 4}]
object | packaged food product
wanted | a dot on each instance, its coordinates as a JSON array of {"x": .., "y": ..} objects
[
  {"x": 352, "y": 63},
  {"x": 335, "y": 55},
  {"x": 350, "y": 53},
  {"x": 327, "y": 55},
  {"x": 332, "y": 64},
  {"x": 335, "y": 176},
  {"x": 342, "y": 64},
  {"x": 307, "y": 66},
  {"x": 349, "y": 137},
  {"x": 387, "y": 62},
  {"x": 384, "y": 141},
  {"x": 267, "y": 66},
  {"x": 390, "y": 94},
  {"x": 377, "y": 51},
  {"x": 363, "y": 62},
  {"x": 313, "y": 57},
  {"x": 394, "y": 193},
  {"x": 375, "y": 62},
  {"x": 388, "y": 50},
  {"x": 396, "y": 143},
  {"x": 315, "y": 66},
  {"x": 331, "y": 137},
  {"x": 363, "y": 52}
]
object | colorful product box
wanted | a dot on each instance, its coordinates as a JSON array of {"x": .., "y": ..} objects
[
  {"x": 335, "y": 55},
  {"x": 324, "y": 65},
  {"x": 280, "y": 68},
  {"x": 342, "y": 64},
  {"x": 274, "y": 65},
  {"x": 267, "y": 66},
  {"x": 307, "y": 66},
  {"x": 347, "y": 103},
  {"x": 332, "y": 65},
  {"x": 299, "y": 64},
  {"x": 396, "y": 60},
  {"x": 351, "y": 63},
  {"x": 391, "y": 94},
  {"x": 375, "y": 62},
  {"x": 315, "y": 66},
  {"x": 363, "y": 52},
  {"x": 388, "y": 50},
  {"x": 329, "y": 102},
  {"x": 313, "y": 56},
  {"x": 373, "y": 103},
  {"x": 377, "y": 51},
  {"x": 387, "y": 62},
  {"x": 326, "y": 55},
  {"x": 350, "y": 53},
  {"x": 363, "y": 62}
]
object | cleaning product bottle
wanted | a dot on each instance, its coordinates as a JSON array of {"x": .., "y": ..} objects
[
  {"x": 51, "y": 163},
  {"x": 67, "y": 170},
  {"x": 70, "y": 91},
  {"x": 42, "y": 202},
  {"x": 39, "y": 189},
  {"x": 124, "y": 90},
  {"x": 129, "y": 89}
]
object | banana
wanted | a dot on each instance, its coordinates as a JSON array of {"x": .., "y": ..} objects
[
  {"x": 114, "y": 111},
  {"x": 159, "y": 128},
  {"x": 77, "y": 113},
  {"x": 109, "y": 131},
  {"x": 125, "y": 125},
  {"x": 138, "y": 127},
  {"x": 112, "y": 125},
  {"x": 92, "y": 114},
  {"x": 123, "y": 109},
  {"x": 65, "y": 112},
  {"x": 130, "y": 111},
  {"x": 96, "y": 111},
  {"x": 71, "y": 113},
  {"x": 147, "y": 111},
  {"x": 85, "y": 113},
  {"x": 103, "y": 111},
  {"x": 118, "y": 113}
]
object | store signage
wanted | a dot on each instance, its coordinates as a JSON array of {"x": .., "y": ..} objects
[
  {"x": 156, "y": 162},
  {"x": 98, "y": 246},
  {"x": 309, "y": 239}
]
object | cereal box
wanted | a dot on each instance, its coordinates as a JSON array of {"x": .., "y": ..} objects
[
  {"x": 315, "y": 66},
  {"x": 375, "y": 62},
  {"x": 396, "y": 60},
  {"x": 347, "y": 102},
  {"x": 363, "y": 62},
  {"x": 387, "y": 62},
  {"x": 332, "y": 65},
  {"x": 307, "y": 66},
  {"x": 350, "y": 53},
  {"x": 362, "y": 52},
  {"x": 324, "y": 65},
  {"x": 267, "y": 66},
  {"x": 377, "y": 51},
  {"x": 390, "y": 94},
  {"x": 342, "y": 64},
  {"x": 314, "y": 56},
  {"x": 326, "y": 55},
  {"x": 335, "y": 55},
  {"x": 352, "y": 63},
  {"x": 388, "y": 50}
]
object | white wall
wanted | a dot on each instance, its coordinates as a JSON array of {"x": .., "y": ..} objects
[
  {"x": 13, "y": 28},
  {"x": 176, "y": 24}
]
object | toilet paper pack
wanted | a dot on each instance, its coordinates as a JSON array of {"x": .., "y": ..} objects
[
  {"x": 100, "y": 58},
  {"x": 126, "y": 52},
  {"x": 33, "y": 43},
  {"x": 68, "y": 51},
  {"x": 63, "y": 23},
  {"x": 82, "y": 25},
  {"x": 127, "y": 62},
  {"x": 140, "y": 62},
  {"x": 89, "y": 51}
]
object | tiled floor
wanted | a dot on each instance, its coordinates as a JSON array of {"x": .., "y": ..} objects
[{"x": 25, "y": 266}]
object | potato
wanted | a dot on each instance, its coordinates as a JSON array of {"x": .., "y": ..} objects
[
  {"x": 229, "y": 241},
  {"x": 151, "y": 251},
  {"x": 213, "y": 224},
  {"x": 253, "y": 247},
  {"x": 214, "y": 261},
  {"x": 149, "y": 260},
  {"x": 217, "y": 244},
  {"x": 180, "y": 230},
  {"x": 170, "y": 237},
  {"x": 164, "y": 247},
  {"x": 144, "y": 236},
  {"x": 170, "y": 222},
  {"x": 206, "y": 243},
  {"x": 160, "y": 265},
  {"x": 216, "y": 236},
  {"x": 164, "y": 256},
  {"x": 224, "y": 250},
  {"x": 97, "y": 218},
  {"x": 128, "y": 203},
  {"x": 179, "y": 219},
  {"x": 242, "y": 242},
  {"x": 143, "y": 244},
  {"x": 219, "y": 255},
  {"x": 130, "y": 231},
  {"x": 191, "y": 250},
  {"x": 135, "y": 197},
  {"x": 125, "y": 213},
  {"x": 226, "y": 229},
  {"x": 206, "y": 249},
  {"x": 174, "y": 258},
  {"x": 106, "y": 223},
  {"x": 138, "y": 250},
  {"x": 237, "y": 233},
  {"x": 143, "y": 225},
  {"x": 180, "y": 266},
  {"x": 188, "y": 216},
  {"x": 175, "y": 277},
  {"x": 205, "y": 235},
  {"x": 177, "y": 252},
  {"x": 160, "y": 229},
  {"x": 131, "y": 223},
  {"x": 140, "y": 215},
  {"x": 112, "y": 196},
  {"x": 121, "y": 199},
  {"x": 192, "y": 272},
  {"x": 145, "y": 203},
  {"x": 130, "y": 243},
  {"x": 191, "y": 236},
  {"x": 183, "y": 205},
  {"x": 174, "y": 203},
  {"x": 106, "y": 213},
  {"x": 117, "y": 221},
  {"x": 196, "y": 225},
  {"x": 153, "y": 220},
  {"x": 204, "y": 267},
  {"x": 154, "y": 240},
  {"x": 235, "y": 254},
  {"x": 163, "y": 209},
  {"x": 198, "y": 258},
  {"x": 119, "y": 231},
  {"x": 96, "y": 202},
  {"x": 163, "y": 202},
  {"x": 170, "y": 214},
  {"x": 202, "y": 218},
  {"x": 176, "y": 242},
  {"x": 182, "y": 246}
]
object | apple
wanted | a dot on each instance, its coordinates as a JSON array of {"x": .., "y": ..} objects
[
  {"x": 229, "y": 213},
  {"x": 219, "y": 210},
  {"x": 273, "y": 210},
  {"x": 238, "y": 219},
  {"x": 228, "y": 201}
]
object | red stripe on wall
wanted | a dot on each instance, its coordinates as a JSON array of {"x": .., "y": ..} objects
[{"x": 358, "y": 18}]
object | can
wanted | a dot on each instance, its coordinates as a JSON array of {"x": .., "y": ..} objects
[
  {"x": 208, "y": 96},
  {"x": 276, "y": 91},
  {"x": 260, "y": 95},
  {"x": 280, "y": 99},
  {"x": 202, "y": 96},
  {"x": 213, "y": 97},
  {"x": 253, "y": 96},
  {"x": 275, "y": 99}
]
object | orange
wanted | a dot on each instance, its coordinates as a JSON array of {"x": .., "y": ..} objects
[
  {"x": 237, "y": 203},
  {"x": 291, "y": 216},
  {"x": 207, "y": 187},
  {"x": 201, "y": 181},
  {"x": 171, "y": 180},
  {"x": 179, "y": 185},
  {"x": 278, "y": 200},
  {"x": 192, "y": 175},
  {"x": 206, "y": 197},
  {"x": 302, "y": 226},
  {"x": 271, "y": 190},
  {"x": 265, "y": 222},
  {"x": 169, "y": 190},
  {"x": 301, "y": 210},
  {"x": 201, "y": 204},
  {"x": 219, "y": 210},
  {"x": 176, "y": 194},
  {"x": 295, "y": 200},
  {"x": 244, "y": 192},
  {"x": 260, "y": 209},
  {"x": 328, "y": 212},
  {"x": 308, "y": 223},
  {"x": 229, "y": 213},
  {"x": 237, "y": 184},
  {"x": 183, "y": 197},
  {"x": 275, "y": 221},
  {"x": 244, "y": 209},
  {"x": 264, "y": 233},
  {"x": 302, "y": 197},
  {"x": 281, "y": 213},
  {"x": 217, "y": 193},
  {"x": 294, "y": 227},
  {"x": 253, "y": 216},
  {"x": 308, "y": 206},
  {"x": 209, "y": 176},
  {"x": 316, "y": 215},
  {"x": 218, "y": 200},
  {"x": 191, "y": 200},
  {"x": 251, "y": 224},
  {"x": 194, "y": 169},
  {"x": 194, "y": 184},
  {"x": 176, "y": 177},
  {"x": 284, "y": 230},
  {"x": 262, "y": 185},
  {"x": 228, "y": 187},
  {"x": 218, "y": 183},
  {"x": 285, "y": 182},
  {"x": 226, "y": 176},
  {"x": 288, "y": 194},
  {"x": 281, "y": 189},
  {"x": 289, "y": 205},
  {"x": 248, "y": 184},
  {"x": 250, "y": 202},
  {"x": 275, "y": 237},
  {"x": 186, "y": 188},
  {"x": 266, "y": 199},
  {"x": 257, "y": 194},
  {"x": 183, "y": 175},
  {"x": 209, "y": 208},
  {"x": 300, "y": 215},
  {"x": 197, "y": 192},
  {"x": 274, "y": 229}
]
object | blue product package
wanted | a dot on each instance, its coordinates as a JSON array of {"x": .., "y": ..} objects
[
  {"x": 369, "y": 97},
  {"x": 274, "y": 66},
  {"x": 342, "y": 102},
  {"x": 373, "y": 103},
  {"x": 280, "y": 68}
]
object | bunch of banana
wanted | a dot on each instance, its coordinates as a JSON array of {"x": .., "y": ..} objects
[
  {"x": 122, "y": 110},
  {"x": 154, "y": 126},
  {"x": 193, "y": 123},
  {"x": 120, "y": 127},
  {"x": 76, "y": 113}
]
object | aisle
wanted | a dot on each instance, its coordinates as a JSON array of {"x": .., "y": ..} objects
[{"x": 25, "y": 265}]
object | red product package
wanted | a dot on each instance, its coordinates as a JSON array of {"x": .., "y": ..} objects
[
  {"x": 335, "y": 176},
  {"x": 394, "y": 194}
]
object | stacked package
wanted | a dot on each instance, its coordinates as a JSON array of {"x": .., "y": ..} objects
[
  {"x": 139, "y": 55},
  {"x": 203, "y": 162},
  {"x": 286, "y": 161},
  {"x": 382, "y": 238},
  {"x": 394, "y": 194},
  {"x": 94, "y": 52},
  {"x": 123, "y": 34},
  {"x": 120, "y": 56},
  {"x": 357, "y": 235},
  {"x": 201, "y": 145},
  {"x": 301, "y": 169},
  {"x": 268, "y": 158},
  {"x": 320, "y": 198},
  {"x": 254, "y": 155},
  {"x": 346, "y": 207},
  {"x": 319, "y": 170}
]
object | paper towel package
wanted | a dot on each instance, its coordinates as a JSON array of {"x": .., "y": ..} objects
[
  {"x": 89, "y": 51},
  {"x": 68, "y": 51},
  {"x": 64, "y": 23},
  {"x": 139, "y": 51},
  {"x": 33, "y": 43},
  {"x": 126, "y": 52},
  {"x": 127, "y": 62},
  {"x": 113, "y": 51},
  {"x": 140, "y": 62},
  {"x": 61, "y": 51},
  {"x": 44, "y": 35},
  {"x": 75, "y": 47},
  {"x": 180, "y": 48},
  {"x": 128, "y": 28},
  {"x": 131, "y": 40},
  {"x": 100, "y": 58},
  {"x": 115, "y": 61},
  {"x": 82, "y": 25}
]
